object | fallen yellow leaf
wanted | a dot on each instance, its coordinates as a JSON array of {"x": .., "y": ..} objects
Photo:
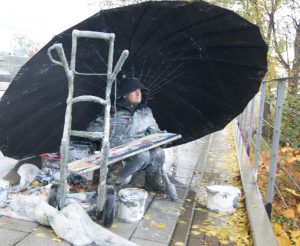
[
  {"x": 296, "y": 241},
  {"x": 295, "y": 234},
  {"x": 147, "y": 217},
  {"x": 291, "y": 159},
  {"x": 224, "y": 241},
  {"x": 182, "y": 222},
  {"x": 289, "y": 213},
  {"x": 202, "y": 229},
  {"x": 160, "y": 225},
  {"x": 114, "y": 226},
  {"x": 292, "y": 192},
  {"x": 56, "y": 239},
  {"x": 212, "y": 233},
  {"x": 40, "y": 235},
  {"x": 233, "y": 238},
  {"x": 179, "y": 244},
  {"x": 196, "y": 233},
  {"x": 284, "y": 241}
]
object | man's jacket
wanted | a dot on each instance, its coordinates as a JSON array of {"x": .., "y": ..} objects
[{"x": 128, "y": 123}]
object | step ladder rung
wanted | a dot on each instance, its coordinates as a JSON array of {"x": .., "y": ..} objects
[
  {"x": 90, "y": 74},
  {"x": 89, "y": 99},
  {"x": 89, "y": 135}
]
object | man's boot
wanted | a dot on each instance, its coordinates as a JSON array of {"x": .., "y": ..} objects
[{"x": 154, "y": 180}]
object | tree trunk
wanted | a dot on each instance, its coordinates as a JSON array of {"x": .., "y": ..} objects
[{"x": 293, "y": 85}]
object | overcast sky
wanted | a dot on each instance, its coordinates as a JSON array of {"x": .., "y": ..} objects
[{"x": 40, "y": 19}]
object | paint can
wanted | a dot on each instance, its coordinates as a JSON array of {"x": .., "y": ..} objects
[
  {"x": 80, "y": 149},
  {"x": 50, "y": 161},
  {"x": 4, "y": 187},
  {"x": 222, "y": 198},
  {"x": 132, "y": 204}
]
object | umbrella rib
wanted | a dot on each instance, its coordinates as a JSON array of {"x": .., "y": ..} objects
[
  {"x": 157, "y": 86},
  {"x": 216, "y": 33},
  {"x": 156, "y": 78},
  {"x": 142, "y": 70},
  {"x": 137, "y": 24},
  {"x": 169, "y": 64},
  {"x": 149, "y": 70},
  {"x": 153, "y": 91},
  {"x": 89, "y": 68},
  {"x": 101, "y": 58},
  {"x": 175, "y": 33},
  {"x": 40, "y": 110},
  {"x": 91, "y": 83},
  {"x": 132, "y": 70},
  {"x": 184, "y": 102},
  {"x": 157, "y": 75}
]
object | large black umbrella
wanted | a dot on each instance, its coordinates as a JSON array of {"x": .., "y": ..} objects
[{"x": 202, "y": 64}]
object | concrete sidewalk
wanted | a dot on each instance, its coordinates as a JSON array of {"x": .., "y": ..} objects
[{"x": 157, "y": 226}]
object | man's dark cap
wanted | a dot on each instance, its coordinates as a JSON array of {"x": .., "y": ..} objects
[{"x": 128, "y": 85}]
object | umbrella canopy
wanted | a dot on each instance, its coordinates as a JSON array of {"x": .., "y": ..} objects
[{"x": 201, "y": 63}]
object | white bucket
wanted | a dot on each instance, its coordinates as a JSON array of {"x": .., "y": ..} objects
[
  {"x": 222, "y": 198},
  {"x": 132, "y": 204},
  {"x": 4, "y": 186}
]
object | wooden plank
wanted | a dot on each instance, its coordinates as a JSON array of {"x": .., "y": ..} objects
[{"x": 124, "y": 151}]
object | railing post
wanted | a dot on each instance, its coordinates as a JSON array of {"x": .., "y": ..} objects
[
  {"x": 275, "y": 145},
  {"x": 244, "y": 124},
  {"x": 259, "y": 128},
  {"x": 239, "y": 129},
  {"x": 250, "y": 126}
]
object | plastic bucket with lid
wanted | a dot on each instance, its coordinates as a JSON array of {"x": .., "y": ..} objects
[
  {"x": 132, "y": 204},
  {"x": 4, "y": 186},
  {"x": 222, "y": 198}
]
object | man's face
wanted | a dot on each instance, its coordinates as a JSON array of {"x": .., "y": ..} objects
[{"x": 134, "y": 97}]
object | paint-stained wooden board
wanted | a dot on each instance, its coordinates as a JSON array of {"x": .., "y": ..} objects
[{"x": 124, "y": 151}]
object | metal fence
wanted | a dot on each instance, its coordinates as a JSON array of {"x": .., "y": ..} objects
[{"x": 270, "y": 130}]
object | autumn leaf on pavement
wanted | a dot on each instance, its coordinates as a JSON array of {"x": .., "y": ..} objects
[
  {"x": 295, "y": 237},
  {"x": 159, "y": 225},
  {"x": 196, "y": 233},
  {"x": 282, "y": 237},
  {"x": 292, "y": 192},
  {"x": 289, "y": 213},
  {"x": 40, "y": 235},
  {"x": 295, "y": 234}
]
